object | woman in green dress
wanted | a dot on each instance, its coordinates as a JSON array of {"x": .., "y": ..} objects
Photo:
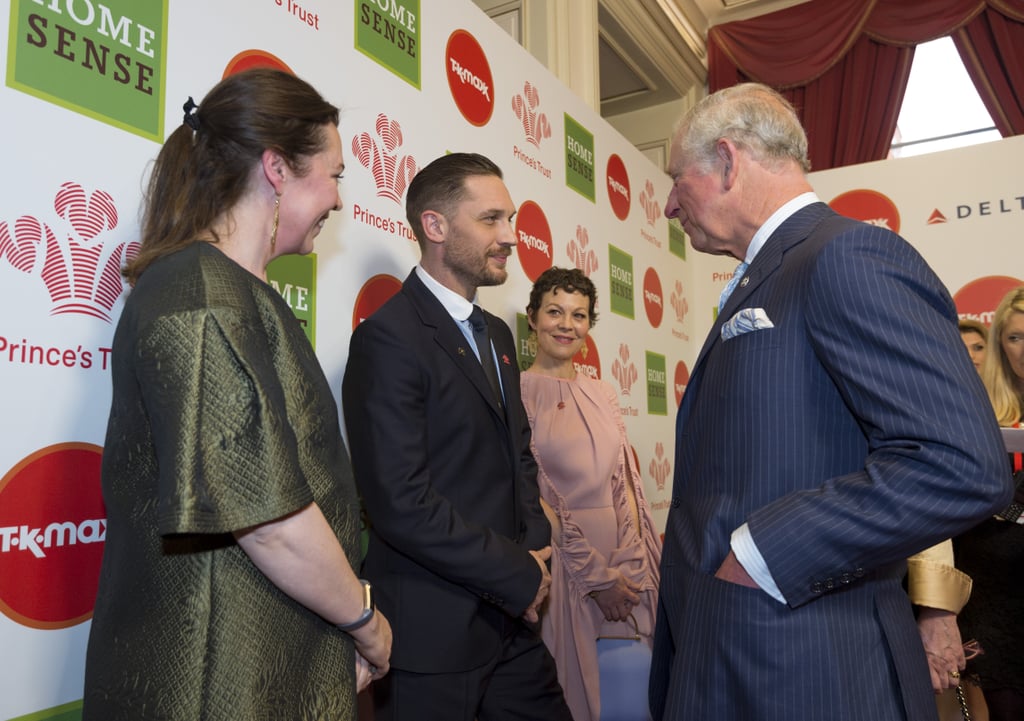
[{"x": 227, "y": 589}]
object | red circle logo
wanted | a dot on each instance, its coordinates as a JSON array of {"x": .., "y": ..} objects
[
  {"x": 980, "y": 298},
  {"x": 869, "y": 206},
  {"x": 653, "y": 298},
  {"x": 469, "y": 77},
  {"x": 248, "y": 59},
  {"x": 586, "y": 361},
  {"x": 533, "y": 240},
  {"x": 618, "y": 187},
  {"x": 53, "y": 526},
  {"x": 374, "y": 293},
  {"x": 680, "y": 381}
]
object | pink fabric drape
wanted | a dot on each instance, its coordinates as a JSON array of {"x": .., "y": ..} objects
[{"x": 845, "y": 65}]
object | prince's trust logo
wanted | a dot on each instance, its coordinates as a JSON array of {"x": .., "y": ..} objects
[
  {"x": 81, "y": 272},
  {"x": 659, "y": 467},
  {"x": 535, "y": 124},
  {"x": 584, "y": 258},
  {"x": 624, "y": 370},
  {"x": 649, "y": 203},
  {"x": 392, "y": 173}
]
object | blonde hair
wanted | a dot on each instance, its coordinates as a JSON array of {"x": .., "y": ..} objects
[{"x": 1000, "y": 380}]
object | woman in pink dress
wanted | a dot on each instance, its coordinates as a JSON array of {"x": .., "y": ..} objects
[{"x": 605, "y": 549}]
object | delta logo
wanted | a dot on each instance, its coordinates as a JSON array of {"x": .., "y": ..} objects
[
  {"x": 618, "y": 187},
  {"x": 979, "y": 299},
  {"x": 106, "y": 60},
  {"x": 374, "y": 293},
  {"x": 388, "y": 32},
  {"x": 52, "y": 531},
  {"x": 659, "y": 467},
  {"x": 580, "y": 254},
  {"x": 72, "y": 255},
  {"x": 381, "y": 155},
  {"x": 469, "y": 78},
  {"x": 649, "y": 203},
  {"x": 533, "y": 240},
  {"x": 869, "y": 206},
  {"x": 653, "y": 305},
  {"x": 981, "y": 209},
  {"x": 681, "y": 380},
  {"x": 624, "y": 371}
]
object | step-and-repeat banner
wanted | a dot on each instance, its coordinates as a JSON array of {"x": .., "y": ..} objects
[
  {"x": 90, "y": 90},
  {"x": 91, "y": 87}
]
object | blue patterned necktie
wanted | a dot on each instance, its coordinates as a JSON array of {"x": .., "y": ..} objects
[{"x": 731, "y": 285}]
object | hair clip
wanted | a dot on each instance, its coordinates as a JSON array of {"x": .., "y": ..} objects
[{"x": 191, "y": 118}]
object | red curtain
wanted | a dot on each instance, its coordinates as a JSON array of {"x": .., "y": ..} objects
[{"x": 845, "y": 65}]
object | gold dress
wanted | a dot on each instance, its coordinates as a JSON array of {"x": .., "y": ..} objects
[{"x": 221, "y": 419}]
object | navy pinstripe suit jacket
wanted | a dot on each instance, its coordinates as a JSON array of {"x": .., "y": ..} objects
[{"x": 851, "y": 435}]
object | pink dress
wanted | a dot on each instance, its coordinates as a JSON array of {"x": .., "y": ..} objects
[{"x": 579, "y": 441}]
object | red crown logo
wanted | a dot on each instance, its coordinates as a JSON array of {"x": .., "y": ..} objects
[
  {"x": 535, "y": 125},
  {"x": 652, "y": 208},
  {"x": 81, "y": 272},
  {"x": 623, "y": 370},
  {"x": 391, "y": 174},
  {"x": 584, "y": 258},
  {"x": 659, "y": 467},
  {"x": 678, "y": 302}
]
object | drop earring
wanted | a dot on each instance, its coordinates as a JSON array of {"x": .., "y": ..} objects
[{"x": 277, "y": 216}]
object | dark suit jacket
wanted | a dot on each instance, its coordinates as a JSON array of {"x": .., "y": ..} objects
[
  {"x": 449, "y": 484},
  {"x": 850, "y": 436}
]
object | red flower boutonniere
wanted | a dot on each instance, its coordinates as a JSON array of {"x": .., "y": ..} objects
[{"x": 505, "y": 360}]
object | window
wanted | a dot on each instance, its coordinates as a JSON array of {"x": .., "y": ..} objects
[{"x": 941, "y": 109}]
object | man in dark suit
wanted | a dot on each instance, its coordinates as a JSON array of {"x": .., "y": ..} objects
[
  {"x": 833, "y": 426},
  {"x": 458, "y": 541}
]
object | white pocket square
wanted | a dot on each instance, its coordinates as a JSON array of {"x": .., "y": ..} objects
[{"x": 745, "y": 321}]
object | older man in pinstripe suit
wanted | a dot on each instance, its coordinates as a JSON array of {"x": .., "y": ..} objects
[{"x": 833, "y": 426}]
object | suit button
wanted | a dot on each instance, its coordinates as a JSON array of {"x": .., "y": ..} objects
[
  {"x": 675, "y": 503},
  {"x": 845, "y": 579},
  {"x": 859, "y": 573},
  {"x": 816, "y": 587},
  {"x": 829, "y": 584}
]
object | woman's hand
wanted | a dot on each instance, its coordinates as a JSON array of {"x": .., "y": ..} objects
[
  {"x": 373, "y": 643},
  {"x": 617, "y": 601}
]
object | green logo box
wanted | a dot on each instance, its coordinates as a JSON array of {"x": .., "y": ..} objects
[
  {"x": 294, "y": 277},
  {"x": 106, "y": 60},
  {"x": 676, "y": 240},
  {"x": 391, "y": 37},
  {"x": 657, "y": 385},
  {"x": 620, "y": 280},
  {"x": 579, "y": 158},
  {"x": 526, "y": 344}
]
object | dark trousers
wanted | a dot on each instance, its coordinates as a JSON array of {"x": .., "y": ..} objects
[{"x": 520, "y": 684}]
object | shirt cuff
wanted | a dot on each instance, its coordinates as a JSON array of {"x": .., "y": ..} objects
[{"x": 745, "y": 550}]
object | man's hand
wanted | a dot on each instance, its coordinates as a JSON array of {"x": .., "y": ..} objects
[
  {"x": 943, "y": 647},
  {"x": 373, "y": 644},
  {"x": 732, "y": 571},
  {"x": 532, "y": 612}
]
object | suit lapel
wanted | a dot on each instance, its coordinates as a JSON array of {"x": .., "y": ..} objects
[{"x": 450, "y": 339}]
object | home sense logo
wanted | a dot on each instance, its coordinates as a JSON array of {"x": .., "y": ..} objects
[
  {"x": 294, "y": 277},
  {"x": 620, "y": 271},
  {"x": 657, "y": 399},
  {"x": 52, "y": 531},
  {"x": 579, "y": 158},
  {"x": 105, "y": 60},
  {"x": 387, "y": 31},
  {"x": 469, "y": 78},
  {"x": 81, "y": 272}
]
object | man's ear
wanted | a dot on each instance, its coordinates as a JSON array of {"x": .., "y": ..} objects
[
  {"x": 435, "y": 226},
  {"x": 727, "y": 153},
  {"x": 275, "y": 169}
]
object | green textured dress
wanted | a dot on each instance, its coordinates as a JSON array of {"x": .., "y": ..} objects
[{"x": 221, "y": 419}]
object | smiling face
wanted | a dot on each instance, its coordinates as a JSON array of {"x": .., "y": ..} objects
[
  {"x": 306, "y": 201},
  {"x": 562, "y": 322},
  {"x": 479, "y": 236}
]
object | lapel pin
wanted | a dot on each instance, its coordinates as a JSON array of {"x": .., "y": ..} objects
[
  {"x": 743, "y": 282},
  {"x": 461, "y": 350}
]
